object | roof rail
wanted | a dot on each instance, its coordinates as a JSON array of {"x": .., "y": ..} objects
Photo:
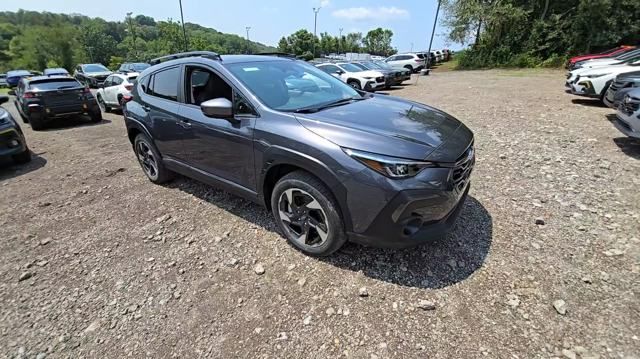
[
  {"x": 278, "y": 54},
  {"x": 205, "y": 54}
]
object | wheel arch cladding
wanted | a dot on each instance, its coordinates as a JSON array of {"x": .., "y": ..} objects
[{"x": 282, "y": 162}]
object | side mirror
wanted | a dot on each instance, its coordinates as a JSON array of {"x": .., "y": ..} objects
[
  {"x": 217, "y": 107},
  {"x": 3, "y": 99},
  {"x": 12, "y": 92},
  {"x": 339, "y": 72}
]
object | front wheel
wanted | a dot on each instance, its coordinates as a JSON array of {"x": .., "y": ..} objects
[
  {"x": 150, "y": 160},
  {"x": 355, "y": 84},
  {"x": 102, "y": 104},
  {"x": 22, "y": 157},
  {"x": 307, "y": 214}
]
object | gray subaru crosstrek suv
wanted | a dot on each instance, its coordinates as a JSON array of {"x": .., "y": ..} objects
[{"x": 332, "y": 163}]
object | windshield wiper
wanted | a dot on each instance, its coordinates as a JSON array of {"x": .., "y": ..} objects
[{"x": 340, "y": 102}]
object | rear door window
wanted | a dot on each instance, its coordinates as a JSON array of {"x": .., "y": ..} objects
[{"x": 165, "y": 84}]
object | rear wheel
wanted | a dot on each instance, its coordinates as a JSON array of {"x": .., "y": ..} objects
[
  {"x": 22, "y": 157},
  {"x": 150, "y": 160},
  {"x": 409, "y": 67},
  {"x": 355, "y": 84},
  {"x": 96, "y": 115},
  {"x": 307, "y": 214},
  {"x": 36, "y": 120}
]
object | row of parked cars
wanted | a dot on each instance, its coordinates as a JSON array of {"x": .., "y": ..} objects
[{"x": 612, "y": 77}]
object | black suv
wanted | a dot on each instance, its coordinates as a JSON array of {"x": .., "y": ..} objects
[
  {"x": 12, "y": 142},
  {"x": 42, "y": 98},
  {"x": 332, "y": 163},
  {"x": 92, "y": 75}
]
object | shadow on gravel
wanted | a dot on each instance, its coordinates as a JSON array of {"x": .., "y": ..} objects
[
  {"x": 588, "y": 102},
  {"x": 72, "y": 122},
  {"x": 629, "y": 146},
  {"x": 10, "y": 170},
  {"x": 436, "y": 264}
]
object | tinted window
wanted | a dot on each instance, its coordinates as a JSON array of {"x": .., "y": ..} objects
[
  {"x": 204, "y": 85},
  {"x": 54, "y": 85},
  {"x": 330, "y": 69},
  {"x": 94, "y": 68},
  {"x": 165, "y": 84},
  {"x": 116, "y": 80},
  {"x": 361, "y": 66},
  {"x": 144, "y": 84},
  {"x": 351, "y": 67}
]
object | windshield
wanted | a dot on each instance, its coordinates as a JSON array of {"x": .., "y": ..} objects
[
  {"x": 18, "y": 73},
  {"x": 628, "y": 55},
  {"x": 291, "y": 85},
  {"x": 140, "y": 67},
  {"x": 94, "y": 68},
  {"x": 56, "y": 84},
  {"x": 350, "y": 67},
  {"x": 361, "y": 66},
  {"x": 383, "y": 65}
]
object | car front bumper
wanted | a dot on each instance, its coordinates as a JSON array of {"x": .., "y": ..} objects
[
  {"x": 583, "y": 88},
  {"x": 11, "y": 142},
  {"x": 628, "y": 122}
]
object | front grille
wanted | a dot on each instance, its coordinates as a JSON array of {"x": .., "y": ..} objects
[
  {"x": 380, "y": 79},
  {"x": 463, "y": 168},
  {"x": 629, "y": 107}
]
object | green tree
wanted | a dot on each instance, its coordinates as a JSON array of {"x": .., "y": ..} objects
[{"x": 378, "y": 42}]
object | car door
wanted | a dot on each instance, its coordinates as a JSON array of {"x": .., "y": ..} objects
[
  {"x": 105, "y": 87},
  {"x": 112, "y": 90},
  {"x": 160, "y": 102},
  {"x": 222, "y": 147}
]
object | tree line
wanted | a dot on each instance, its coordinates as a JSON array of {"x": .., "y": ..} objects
[
  {"x": 36, "y": 40},
  {"x": 528, "y": 33},
  {"x": 305, "y": 44}
]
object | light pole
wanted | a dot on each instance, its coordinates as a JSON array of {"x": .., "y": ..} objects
[
  {"x": 133, "y": 33},
  {"x": 340, "y": 41},
  {"x": 435, "y": 21},
  {"x": 184, "y": 31},
  {"x": 248, "y": 42},
  {"x": 315, "y": 27}
]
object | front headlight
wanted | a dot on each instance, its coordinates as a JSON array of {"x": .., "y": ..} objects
[
  {"x": 368, "y": 77},
  {"x": 389, "y": 166},
  {"x": 594, "y": 76}
]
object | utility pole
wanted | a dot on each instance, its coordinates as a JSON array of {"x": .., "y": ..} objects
[
  {"x": 315, "y": 27},
  {"x": 248, "y": 42},
  {"x": 184, "y": 31},
  {"x": 340, "y": 41},
  {"x": 133, "y": 33},
  {"x": 435, "y": 22}
]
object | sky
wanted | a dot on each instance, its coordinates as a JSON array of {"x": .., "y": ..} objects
[{"x": 410, "y": 20}]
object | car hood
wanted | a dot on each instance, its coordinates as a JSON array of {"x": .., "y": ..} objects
[
  {"x": 393, "y": 127},
  {"x": 369, "y": 73},
  {"x": 101, "y": 73},
  {"x": 617, "y": 69}
]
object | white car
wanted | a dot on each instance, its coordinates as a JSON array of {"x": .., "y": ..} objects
[
  {"x": 411, "y": 61},
  {"x": 595, "y": 82},
  {"x": 607, "y": 61},
  {"x": 115, "y": 87},
  {"x": 628, "y": 116},
  {"x": 367, "y": 80}
]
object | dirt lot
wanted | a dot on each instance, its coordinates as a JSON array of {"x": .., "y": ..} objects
[{"x": 124, "y": 268}]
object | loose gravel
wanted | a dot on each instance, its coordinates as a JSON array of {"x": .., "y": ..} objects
[{"x": 95, "y": 261}]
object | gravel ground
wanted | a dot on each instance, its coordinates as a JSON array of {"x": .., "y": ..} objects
[{"x": 95, "y": 261}]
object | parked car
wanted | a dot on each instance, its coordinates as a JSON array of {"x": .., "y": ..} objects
[
  {"x": 608, "y": 53},
  {"x": 331, "y": 163},
  {"x": 628, "y": 115},
  {"x": 42, "y": 98},
  {"x": 3, "y": 81},
  {"x": 58, "y": 71},
  {"x": 392, "y": 77},
  {"x": 620, "y": 87},
  {"x": 606, "y": 61},
  {"x": 13, "y": 77},
  {"x": 376, "y": 58},
  {"x": 12, "y": 142},
  {"x": 114, "y": 89},
  {"x": 595, "y": 82},
  {"x": 133, "y": 67},
  {"x": 404, "y": 73},
  {"x": 412, "y": 62},
  {"x": 354, "y": 76},
  {"x": 91, "y": 75},
  {"x": 624, "y": 60}
]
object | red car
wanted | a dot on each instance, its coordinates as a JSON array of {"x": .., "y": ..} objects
[{"x": 609, "y": 53}]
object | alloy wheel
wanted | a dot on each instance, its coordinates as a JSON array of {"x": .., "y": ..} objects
[
  {"x": 103, "y": 106},
  {"x": 147, "y": 159},
  {"x": 303, "y": 217}
]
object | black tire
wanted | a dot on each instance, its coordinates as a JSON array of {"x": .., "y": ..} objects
[
  {"x": 151, "y": 164},
  {"x": 22, "y": 157},
  {"x": 102, "y": 104},
  {"x": 327, "y": 217},
  {"x": 355, "y": 84},
  {"x": 409, "y": 67},
  {"x": 95, "y": 114},
  {"x": 22, "y": 116},
  {"x": 36, "y": 120},
  {"x": 604, "y": 93}
]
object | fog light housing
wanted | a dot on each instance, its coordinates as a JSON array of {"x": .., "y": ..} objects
[{"x": 14, "y": 143}]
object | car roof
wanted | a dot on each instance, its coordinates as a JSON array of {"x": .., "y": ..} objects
[
  {"x": 14, "y": 72},
  {"x": 41, "y": 78},
  {"x": 56, "y": 69}
]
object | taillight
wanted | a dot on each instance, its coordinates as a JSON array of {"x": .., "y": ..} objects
[
  {"x": 28, "y": 95},
  {"x": 128, "y": 87},
  {"x": 126, "y": 98}
]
